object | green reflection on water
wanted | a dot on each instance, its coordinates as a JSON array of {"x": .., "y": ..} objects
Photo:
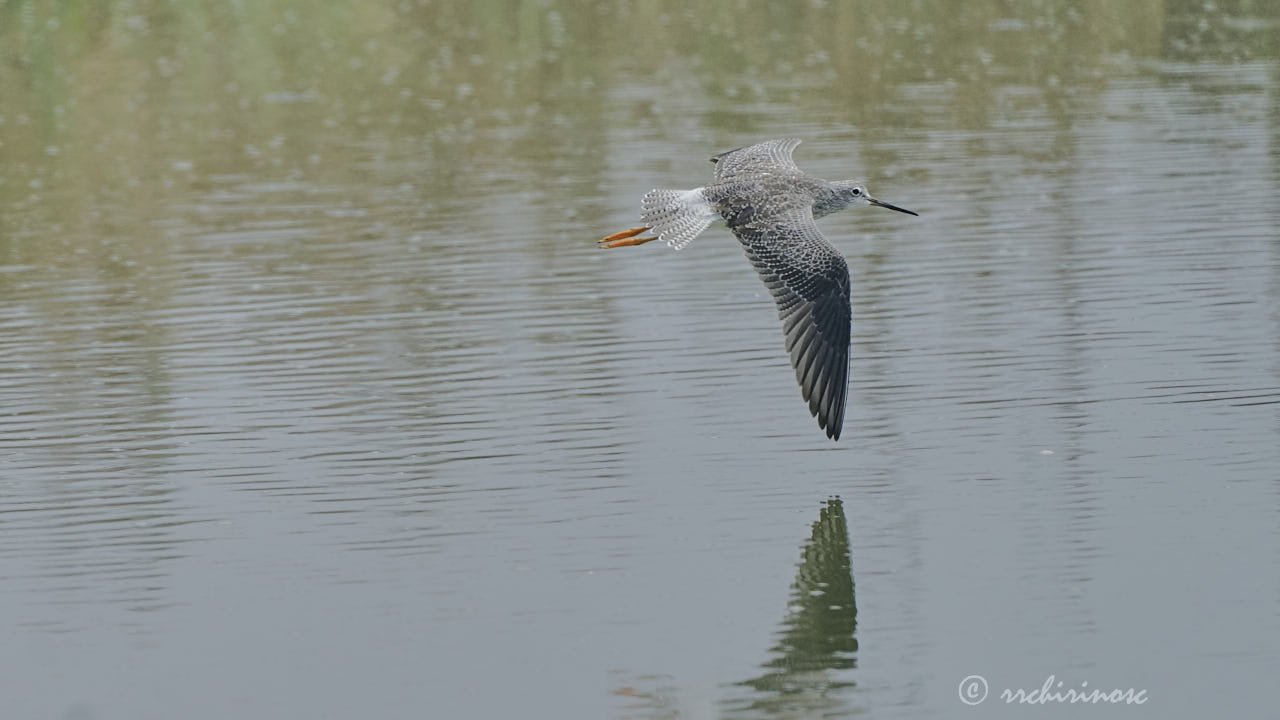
[
  {"x": 138, "y": 102},
  {"x": 122, "y": 122}
]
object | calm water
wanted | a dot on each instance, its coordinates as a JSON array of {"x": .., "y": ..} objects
[{"x": 317, "y": 399}]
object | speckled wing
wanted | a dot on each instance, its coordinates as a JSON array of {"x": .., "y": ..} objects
[
  {"x": 809, "y": 280},
  {"x": 770, "y": 156}
]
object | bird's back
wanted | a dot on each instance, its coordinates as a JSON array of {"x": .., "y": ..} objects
[{"x": 758, "y": 197}]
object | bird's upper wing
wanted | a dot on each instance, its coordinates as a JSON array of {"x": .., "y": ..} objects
[
  {"x": 809, "y": 280},
  {"x": 770, "y": 156}
]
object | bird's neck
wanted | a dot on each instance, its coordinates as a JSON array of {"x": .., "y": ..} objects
[{"x": 833, "y": 196}]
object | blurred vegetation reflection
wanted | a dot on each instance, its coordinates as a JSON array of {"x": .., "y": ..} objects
[{"x": 136, "y": 102}]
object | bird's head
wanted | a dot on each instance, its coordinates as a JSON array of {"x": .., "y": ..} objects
[{"x": 854, "y": 194}]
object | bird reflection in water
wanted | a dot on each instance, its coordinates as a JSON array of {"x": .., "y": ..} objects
[{"x": 808, "y": 671}]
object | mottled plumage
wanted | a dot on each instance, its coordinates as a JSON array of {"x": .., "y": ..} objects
[{"x": 770, "y": 205}]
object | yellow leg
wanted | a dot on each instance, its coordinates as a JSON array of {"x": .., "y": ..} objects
[
  {"x": 624, "y": 242},
  {"x": 625, "y": 238},
  {"x": 624, "y": 234}
]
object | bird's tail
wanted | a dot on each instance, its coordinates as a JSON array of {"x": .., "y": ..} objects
[{"x": 677, "y": 216}]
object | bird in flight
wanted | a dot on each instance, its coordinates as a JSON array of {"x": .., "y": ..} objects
[{"x": 770, "y": 204}]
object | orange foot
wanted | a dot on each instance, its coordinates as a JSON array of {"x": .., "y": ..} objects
[{"x": 625, "y": 238}]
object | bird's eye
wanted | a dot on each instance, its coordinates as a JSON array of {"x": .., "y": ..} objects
[{"x": 857, "y": 192}]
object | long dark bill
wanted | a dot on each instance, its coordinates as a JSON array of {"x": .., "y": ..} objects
[{"x": 874, "y": 201}]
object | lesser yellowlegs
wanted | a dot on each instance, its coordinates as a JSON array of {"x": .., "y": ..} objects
[{"x": 770, "y": 204}]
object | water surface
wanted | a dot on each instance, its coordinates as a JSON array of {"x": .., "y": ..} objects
[{"x": 319, "y": 401}]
